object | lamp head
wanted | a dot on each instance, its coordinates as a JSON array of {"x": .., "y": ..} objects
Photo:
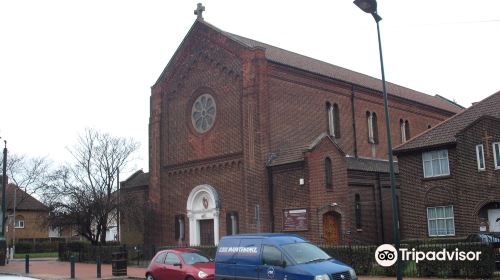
[{"x": 370, "y": 7}]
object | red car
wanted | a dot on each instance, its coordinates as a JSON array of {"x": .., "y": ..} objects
[{"x": 180, "y": 264}]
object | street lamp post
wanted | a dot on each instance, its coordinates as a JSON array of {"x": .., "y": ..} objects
[{"x": 370, "y": 6}]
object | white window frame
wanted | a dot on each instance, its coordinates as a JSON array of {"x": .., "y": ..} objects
[
  {"x": 436, "y": 219},
  {"x": 496, "y": 149},
  {"x": 479, "y": 155},
  {"x": 21, "y": 223},
  {"x": 424, "y": 160}
]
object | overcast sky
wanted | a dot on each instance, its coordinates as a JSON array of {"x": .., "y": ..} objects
[{"x": 69, "y": 65}]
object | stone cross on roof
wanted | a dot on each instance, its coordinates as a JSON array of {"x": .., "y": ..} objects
[{"x": 199, "y": 11}]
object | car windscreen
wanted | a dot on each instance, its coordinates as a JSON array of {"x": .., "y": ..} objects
[
  {"x": 194, "y": 257},
  {"x": 305, "y": 252}
]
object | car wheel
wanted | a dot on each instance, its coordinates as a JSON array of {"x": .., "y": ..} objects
[
  {"x": 149, "y": 277},
  {"x": 189, "y": 278}
]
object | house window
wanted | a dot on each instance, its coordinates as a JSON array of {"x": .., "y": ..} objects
[
  {"x": 480, "y": 157},
  {"x": 19, "y": 223},
  {"x": 232, "y": 223},
  {"x": 179, "y": 227},
  {"x": 371, "y": 118},
  {"x": 333, "y": 119},
  {"x": 496, "y": 154},
  {"x": 441, "y": 221},
  {"x": 328, "y": 173},
  {"x": 357, "y": 210},
  {"x": 435, "y": 163}
]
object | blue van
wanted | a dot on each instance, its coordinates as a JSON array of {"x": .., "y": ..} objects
[{"x": 275, "y": 256}]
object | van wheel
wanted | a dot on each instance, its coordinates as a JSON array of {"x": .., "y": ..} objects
[{"x": 149, "y": 277}]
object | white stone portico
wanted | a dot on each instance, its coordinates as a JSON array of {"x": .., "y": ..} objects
[{"x": 202, "y": 204}]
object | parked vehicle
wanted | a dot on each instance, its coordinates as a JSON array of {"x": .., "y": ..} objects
[
  {"x": 276, "y": 256},
  {"x": 180, "y": 264},
  {"x": 488, "y": 237}
]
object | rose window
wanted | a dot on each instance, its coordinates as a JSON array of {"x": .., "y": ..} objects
[{"x": 203, "y": 113}]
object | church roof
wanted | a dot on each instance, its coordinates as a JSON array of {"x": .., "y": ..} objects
[
  {"x": 446, "y": 131},
  {"x": 288, "y": 58}
]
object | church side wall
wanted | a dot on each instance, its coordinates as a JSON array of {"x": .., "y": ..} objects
[
  {"x": 298, "y": 113},
  {"x": 289, "y": 194}
]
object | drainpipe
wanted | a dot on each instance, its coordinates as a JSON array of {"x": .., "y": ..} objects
[
  {"x": 354, "y": 123},
  {"x": 270, "y": 194}
]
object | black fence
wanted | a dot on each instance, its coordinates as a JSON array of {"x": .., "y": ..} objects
[{"x": 361, "y": 258}]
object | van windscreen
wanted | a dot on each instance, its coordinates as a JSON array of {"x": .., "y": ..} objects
[{"x": 305, "y": 253}]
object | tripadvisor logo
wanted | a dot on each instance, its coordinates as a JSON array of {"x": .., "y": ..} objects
[{"x": 386, "y": 255}]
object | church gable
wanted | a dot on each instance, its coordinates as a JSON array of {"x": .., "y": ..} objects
[{"x": 201, "y": 90}]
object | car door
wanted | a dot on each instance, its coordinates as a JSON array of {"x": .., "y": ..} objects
[
  {"x": 159, "y": 268},
  {"x": 174, "y": 268},
  {"x": 271, "y": 267}
]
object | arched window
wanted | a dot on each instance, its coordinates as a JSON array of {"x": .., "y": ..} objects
[
  {"x": 357, "y": 210},
  {"x": 402, "y": 130},
  {"x": 407, "y": 130},
  {"x": 371, "y": 118},
  {"x": 333, "y": 117},
  {"x": 232, "y": 223},
  {"x": 179, "y": 227},
  {"x": 404, "y": 126},
  {"x": 328, "y": 173}
]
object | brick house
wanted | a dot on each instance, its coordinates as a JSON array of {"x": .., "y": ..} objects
[
  {"x": 248, "y": 137},
  {"x": 30, "y": 215},
  {"x": 450, "y": 175}
]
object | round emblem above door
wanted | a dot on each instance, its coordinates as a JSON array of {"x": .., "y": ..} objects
[{"x": 203, "y": 113}]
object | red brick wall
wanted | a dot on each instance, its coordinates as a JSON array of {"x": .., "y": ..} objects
[
  {"x": 322, "y": 197},
  {"x": 261, "y": 108},
  {"x": 467, "y": 189}
]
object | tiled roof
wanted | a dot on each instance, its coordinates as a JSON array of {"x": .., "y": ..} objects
[
  {"x": 138, "y": 179},
  {"x": 24, "y": 201},
  {"x": 370, "y": 165},
  {"x": 312, "y": 65},
  {"x": 446, "y": 131}
]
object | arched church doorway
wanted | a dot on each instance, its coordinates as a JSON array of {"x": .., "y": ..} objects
[
  {"x": 331, "y": 228},
  {"x": 203, "y": 214}
]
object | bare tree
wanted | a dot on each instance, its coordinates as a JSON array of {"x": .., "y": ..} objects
[
  {"x": 29, "y": 174},
  {"x": 83, "y": 194}
]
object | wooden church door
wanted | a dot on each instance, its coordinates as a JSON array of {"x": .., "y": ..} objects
[
  {"x": 207, "y": 232},
  {"x": 331, "y": 228}
]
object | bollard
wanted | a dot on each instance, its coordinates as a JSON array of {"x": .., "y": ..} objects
[
  {"x": 72, "y": 266},
  {"x": 98, "y": 262},
  {"x": 27, "y": 264}
]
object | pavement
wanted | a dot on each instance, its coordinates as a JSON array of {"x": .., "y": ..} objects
[{"x": 51, "y": 268}]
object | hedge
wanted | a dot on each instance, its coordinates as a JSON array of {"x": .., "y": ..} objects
[{"x": 26, "y": 248}]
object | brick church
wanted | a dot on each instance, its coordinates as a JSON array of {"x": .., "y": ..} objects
[{"x": 247, "y": 137}]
